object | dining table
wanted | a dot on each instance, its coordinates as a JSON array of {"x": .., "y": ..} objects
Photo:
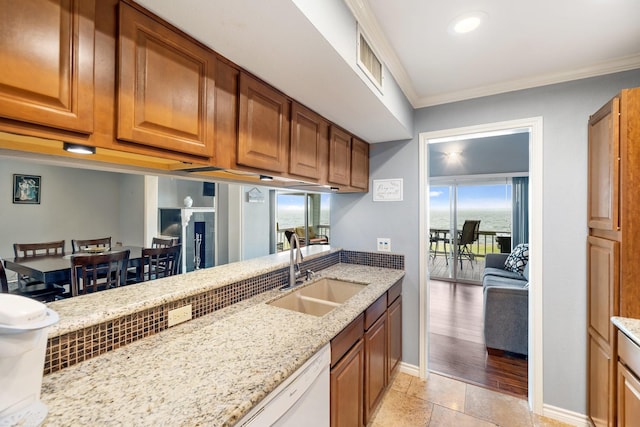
[{"x": 57, "y": 269}]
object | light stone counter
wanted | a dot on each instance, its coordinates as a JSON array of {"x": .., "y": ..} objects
[
  {"x": 630, "y": 327},
  {"x": 209, "y": 371},
  {"x": 88, "y": 310}
]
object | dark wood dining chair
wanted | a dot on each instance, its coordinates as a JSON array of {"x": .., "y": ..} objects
[
  {"x": 32, "y": 250},
  {"x": 82, "y": 245},
  {"x": 161, "y": 242},
  {"x": 26, "y": 250},
  {"x": 92, "y": 273},
  {"x": 39, "y": 292},
  {"x": 160, "y": 262}
]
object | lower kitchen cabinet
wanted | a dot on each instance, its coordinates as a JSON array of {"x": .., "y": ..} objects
[
  {"x": 347, "y": 388},
  {"x": 628, "y": 382},
  {"x": 394, "y": 334},
  {"x": 375, "y": 365},
  {"x": 363, "y": 357}
]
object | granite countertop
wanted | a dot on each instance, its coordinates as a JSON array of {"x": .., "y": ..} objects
[
  {"x": 208, "y": 371},
  {"x": 91, "y": 309},
  {"x": 630, "y": 327}
]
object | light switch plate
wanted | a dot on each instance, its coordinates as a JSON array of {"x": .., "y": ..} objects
[{"x": 384, "y": 244}]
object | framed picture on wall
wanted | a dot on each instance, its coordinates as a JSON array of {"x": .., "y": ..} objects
[{"x": 26, "y": 189}]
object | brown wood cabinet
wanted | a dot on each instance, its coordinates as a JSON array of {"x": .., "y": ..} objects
[
  {"x": 613, "y": 242},
  {"x": 628, "y": 382},
  {"x": 339, "y": 157},
  {"x": 264, "y": 126},
  {"x": 394, "y": 334},
  {"x": 113, "y": 75},
  {"x": 375, "y": 364},
  {"x": 371, "y": 343},
  {"x": 166, "y": 86},
  {"x": 308, "y": 155},
  {"x": 347, "y": 376},
  {"x": 359, "y": 164},
  {"x": 47, "y": 50}
]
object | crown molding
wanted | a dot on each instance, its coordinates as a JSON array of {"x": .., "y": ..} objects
[{"x": 626, "y": 63}]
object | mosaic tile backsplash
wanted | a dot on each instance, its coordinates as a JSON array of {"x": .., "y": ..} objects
[{"x": 75, "y": 346}]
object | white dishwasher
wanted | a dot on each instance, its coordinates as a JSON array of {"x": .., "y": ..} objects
[{"x": 302, "y": 399}]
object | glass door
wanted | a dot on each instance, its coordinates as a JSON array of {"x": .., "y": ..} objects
[{"x": 468, "y": 220}]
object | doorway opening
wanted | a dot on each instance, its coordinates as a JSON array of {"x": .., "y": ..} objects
[{"x": 534, "y": 230}]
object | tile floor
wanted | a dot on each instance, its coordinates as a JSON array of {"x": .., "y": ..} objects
[{"x": 442, "y": 402}]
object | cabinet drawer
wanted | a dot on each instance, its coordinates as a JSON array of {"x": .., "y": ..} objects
[
  {"x": 374, "y": 311},
  {"x": 629, "y": 353},
  {"x": 342, "y": 342},
  {"x": 394, "y": 292}
]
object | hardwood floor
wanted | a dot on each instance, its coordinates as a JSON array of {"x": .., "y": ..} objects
[{"x": 457, "y": 345}]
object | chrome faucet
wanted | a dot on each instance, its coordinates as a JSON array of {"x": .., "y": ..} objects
[{"x": 294, "y": 267}]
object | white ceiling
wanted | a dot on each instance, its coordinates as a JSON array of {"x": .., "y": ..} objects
[{"x": 522, "y": 44}]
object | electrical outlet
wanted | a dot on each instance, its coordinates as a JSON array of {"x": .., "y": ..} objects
[
  {"x": 384, "y": 244},
  {"x": 179, "y": 315}
]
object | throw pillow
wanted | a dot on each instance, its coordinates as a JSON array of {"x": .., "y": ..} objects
[{"x": 518, "y": 258}]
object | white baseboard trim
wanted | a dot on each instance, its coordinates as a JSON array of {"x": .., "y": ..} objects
[
  {"x": 566, "y": 416},
  {"x": 409, "y": 369}
]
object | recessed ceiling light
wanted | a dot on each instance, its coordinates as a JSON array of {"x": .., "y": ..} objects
[{"x": 466, "y": 23}]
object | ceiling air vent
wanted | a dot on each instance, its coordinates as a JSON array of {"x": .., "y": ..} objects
[{"x": 368, "y": 61}]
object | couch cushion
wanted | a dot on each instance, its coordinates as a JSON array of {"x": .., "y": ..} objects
[
  {"x": 490, "y": 271},
  {"x": 518, "y": 258},
  {"x": 503, "y": 282}
]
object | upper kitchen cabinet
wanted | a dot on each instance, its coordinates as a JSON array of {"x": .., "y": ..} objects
[
  {"x": 604, "y": 165},
  {"x": 339, "y": 157},
  {"x": 166, "y": 86},
  {"x": 264, "y": 126},
  {"x": 359, "y": 164},
  {"x": 309, "y": 143},
  {"x": 47, "y": 51}
]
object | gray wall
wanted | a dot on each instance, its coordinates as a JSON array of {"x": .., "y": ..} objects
[
  {"x": 256, "y": 222},
  {"x": 565, "y": 108},
  {"x": 75, "y": 204}
]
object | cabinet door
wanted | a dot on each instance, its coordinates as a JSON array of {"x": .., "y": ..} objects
[
  {"x": 601, "y": 397},
  {"x": 53, "y": 40},
  {"x": 375, "y": 366},
  {"x": 166, "y": 87},
  {"x": 603, "y": 285},
  {"x": 339, "y": 157},
  {"x": 360, "y": 164},
  {"x": 347, "y": 384},
  {"x": 263, "y": 141},
  {"x": 394, "y": 337},
  {"x": 628, "y": 398},
  {"x": 309, "y": 143},
  {"x": 604, "y": 165}
]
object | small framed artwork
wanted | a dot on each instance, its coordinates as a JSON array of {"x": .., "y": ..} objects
[
  {"x": 26, "y": 189},
  {"x": 387, "y": 190}
]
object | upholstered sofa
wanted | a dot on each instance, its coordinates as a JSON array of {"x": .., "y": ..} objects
[{"x": 506, "y": 306}]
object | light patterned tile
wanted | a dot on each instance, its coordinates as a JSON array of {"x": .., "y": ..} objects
[
  {"x": 439, "y": 390},
  {"x": 401, "y": 382},
  {"x": 399, "y": 410},
  {"x": 540, "y": 421},
  {"x": 498, "y": 408},
  {"x": 445, "y": 417}
]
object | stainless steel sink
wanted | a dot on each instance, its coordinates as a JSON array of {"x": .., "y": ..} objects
[{"x": 319, "y": 297}]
